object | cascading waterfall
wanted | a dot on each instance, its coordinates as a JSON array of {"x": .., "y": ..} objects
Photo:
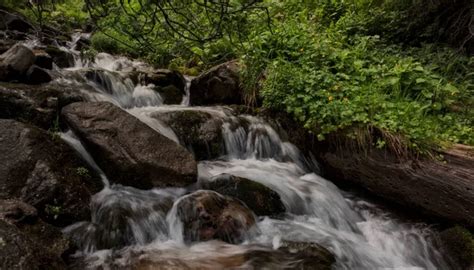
[{"x": 360, "y": 234}]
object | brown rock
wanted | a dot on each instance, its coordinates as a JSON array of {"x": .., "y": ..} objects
[
  {"x": 197, "y": 130},
  {"x": 129, "y": 151},
  {"x": 208, "y": 215},
  {"x": 41, "y": 170},
  {"x": 15, "y": 62},
  {"x": 26, "y": 242},
  {"x": 219, "y": 85}
]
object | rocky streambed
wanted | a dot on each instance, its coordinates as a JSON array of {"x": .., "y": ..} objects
[{"x": 112, "y": 164}]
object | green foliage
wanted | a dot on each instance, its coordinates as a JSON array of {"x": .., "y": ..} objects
[
  {"x": 335, "y": 65},
  {"x": 53, "y": 210},
  {"x": 55, "y": 131},
  {"x": 331, "y": 75},
  {"x": 83, "y": 172},
  {"x": 64, "y": 14}
]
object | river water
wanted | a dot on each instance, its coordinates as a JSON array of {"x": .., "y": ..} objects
[{"x": 127, "y": 223}]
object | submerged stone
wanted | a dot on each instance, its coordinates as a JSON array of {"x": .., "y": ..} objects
[{"x": 207, "y": 215}]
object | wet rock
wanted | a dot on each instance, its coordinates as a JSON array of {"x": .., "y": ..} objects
[
  {"x": 197, "y": 130},
  {"x": 40, "y": 169},
  {"x": 219, "y": 85},
  {"x": 170, "y": 84},
  {"x": 19, "y": 251},
  {"x": 6, "y": 44},
  {"x": 17, "y": 212},
  {"x": 459, "y": 245},
  {"x": 207, "y": 215},
  {"x": 37, "y": 75},
  {"x": 9, "y": 21},
  {"x": 43, "y": 60},
  {"x": 35, "y": 104},
  {"x": 61, "y": 58},
  {"x": 26, "y": 242},
  {"x": 15, "y": 62},
  {"x": 260, "y": 199},
  {"x": 82, "y": 43},
  {"x": 130, "y": 152}
]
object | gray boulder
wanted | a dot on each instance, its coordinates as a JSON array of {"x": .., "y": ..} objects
[
  {"x": 208, "y": 215},
  {"x": 128, "y": 151},
  {"x": 26, "y": 242},
  {"x": 35, "y": 104},
  {"x": 15, "y": 62},
  {"x": 219, "y": 85},
  {"x": 197, "y": 130},
  {"x": 40, "y": 169},
  {"x": 170, "y": 84}
]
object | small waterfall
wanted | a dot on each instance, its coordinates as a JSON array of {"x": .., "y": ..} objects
[
  {"x": 127, "y": 223},
  {"x": 76, "y": 144}
]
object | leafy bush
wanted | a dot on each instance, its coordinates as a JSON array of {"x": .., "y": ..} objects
[{"x": 321, "y": 67}]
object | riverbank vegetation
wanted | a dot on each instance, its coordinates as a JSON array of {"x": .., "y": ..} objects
[{"x": 398, "y": 69}]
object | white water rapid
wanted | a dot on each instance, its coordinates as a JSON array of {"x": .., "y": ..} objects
[{"x": 143, "y": 222}]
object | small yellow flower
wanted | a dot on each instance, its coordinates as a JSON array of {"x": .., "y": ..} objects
[
  {"x": 302, "y": 50},
  {"x": 330, "y": 98}
]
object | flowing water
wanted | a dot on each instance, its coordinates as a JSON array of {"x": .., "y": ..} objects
[{"x": 128, "y": 223}]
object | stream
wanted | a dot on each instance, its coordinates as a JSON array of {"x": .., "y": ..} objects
[{"x": 360, "y": 233}]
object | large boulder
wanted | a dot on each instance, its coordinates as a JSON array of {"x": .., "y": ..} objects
[
  {"x": 40, "y": 169},
  {"x": 219, "y": 85},
  {"x": 26, "y": 242},
  {"x": 128, "y": 151},
  {"x": 15, "y": 62},
  {"x": 199, "y": 131},
  {"x": 262, "y": 200},
  {"x": 207, "y": 215},
  {"x": 170, "y": 84},
  {"x": 38, "y": 105}
]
